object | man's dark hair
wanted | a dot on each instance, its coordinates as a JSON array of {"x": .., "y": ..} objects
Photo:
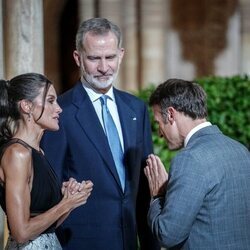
[{"x": 184, "y": 96}]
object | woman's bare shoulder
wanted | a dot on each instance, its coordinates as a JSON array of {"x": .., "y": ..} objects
[{"x": 15, "y": 155}]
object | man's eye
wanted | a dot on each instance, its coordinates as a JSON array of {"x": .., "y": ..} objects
[
  {"x": 92, "y": 58},
  {"x": 111, "y": 57}
]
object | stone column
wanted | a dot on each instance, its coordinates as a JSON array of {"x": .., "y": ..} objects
[
  {"x": 130, "y": 65},
  {"x": 245, "y": 36},
  {"x": 52, "y": 17},
  {"x": 153, "y": 41},
  {"x": 86, "y": 9},
  {"x": 24, "y": 40},
  {"x": 111, "y": 9},
  {"x": 227, "y": 63}
]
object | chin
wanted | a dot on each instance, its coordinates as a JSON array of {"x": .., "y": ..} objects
[
  {"x": 55, "y": 128},
  {"x": 173, "y": 147},
  {"x": 103, "y": 86}
]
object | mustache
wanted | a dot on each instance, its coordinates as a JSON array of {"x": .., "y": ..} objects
[{"x": 103, "y": 75}]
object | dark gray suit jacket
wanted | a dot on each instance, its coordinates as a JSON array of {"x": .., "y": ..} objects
[{"x": 207, "y": 204}]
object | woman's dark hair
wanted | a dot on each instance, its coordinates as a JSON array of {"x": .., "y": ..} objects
[{"x": 22, "y": 87}]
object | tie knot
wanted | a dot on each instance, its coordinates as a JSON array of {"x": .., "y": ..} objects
[{"x": 103, "y": 99}]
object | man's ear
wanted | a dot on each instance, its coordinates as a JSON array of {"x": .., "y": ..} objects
[
  {"x": 77, "y": 58},
  {"x": 121, "y": 54},
  {"x": 26, "y": 106},
  {"x": 171, "y": 114}
]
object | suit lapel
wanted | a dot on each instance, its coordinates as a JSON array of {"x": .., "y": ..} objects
[
  {"x": 87, "y": 118},
  {"x": 128, "y": 122}
]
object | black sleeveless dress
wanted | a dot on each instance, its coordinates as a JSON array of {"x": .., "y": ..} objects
[{"x": 46, "y": 190}]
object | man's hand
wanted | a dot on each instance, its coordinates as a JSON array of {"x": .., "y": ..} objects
[{"x": 157, "y": 176}]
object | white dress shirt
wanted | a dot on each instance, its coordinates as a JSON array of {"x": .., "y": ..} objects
[
  {"x": 194, "y": 130},
  {"x": 95, "y": 99}
]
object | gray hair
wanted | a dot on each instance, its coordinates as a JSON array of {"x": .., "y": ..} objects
[{"x": 97, "y": 26}]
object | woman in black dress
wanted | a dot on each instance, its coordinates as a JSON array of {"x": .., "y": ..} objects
[{"x": 33, "y": 200}]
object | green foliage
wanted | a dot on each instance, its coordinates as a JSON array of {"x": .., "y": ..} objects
[{"x": 228, "y": 101}]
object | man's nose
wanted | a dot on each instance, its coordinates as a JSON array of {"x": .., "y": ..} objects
[{"x": 103, "y": 66}]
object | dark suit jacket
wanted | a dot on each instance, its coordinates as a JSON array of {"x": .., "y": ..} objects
[
  {"x": 80, "y": 149},
  {"x": 207, "y": 204}
]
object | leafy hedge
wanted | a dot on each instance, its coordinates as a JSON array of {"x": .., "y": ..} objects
[{"x": 228, "y": 100}]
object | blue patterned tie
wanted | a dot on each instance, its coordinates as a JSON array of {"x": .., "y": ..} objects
[{"x": 113, "y": 139}]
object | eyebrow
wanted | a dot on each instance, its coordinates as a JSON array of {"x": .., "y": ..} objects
[
  {"x": 100, "y": 56},
  {"x": 51, "y": 95}
]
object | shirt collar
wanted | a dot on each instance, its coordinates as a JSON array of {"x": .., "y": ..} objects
[{"x": 194, "y": 130}]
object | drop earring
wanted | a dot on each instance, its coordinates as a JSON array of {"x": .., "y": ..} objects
[{"x": 29, "y": 116}]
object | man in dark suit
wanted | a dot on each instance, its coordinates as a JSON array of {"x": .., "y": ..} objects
[
  {"x": 205, "y": 202},
  {"x": 116, "y": 212}
]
